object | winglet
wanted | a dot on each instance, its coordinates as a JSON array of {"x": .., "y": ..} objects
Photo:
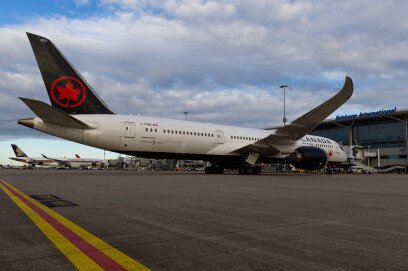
[
  {"x": 324, "y": 110},
  {"x": 315, "y": 116},
  {"x": 306, "y": 123}
]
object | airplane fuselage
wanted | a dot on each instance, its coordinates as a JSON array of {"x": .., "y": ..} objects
[
  {"x": 34, "y": 161},
  {"x": 166, "y": 138}
]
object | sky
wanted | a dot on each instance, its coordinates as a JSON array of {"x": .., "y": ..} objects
[{"x": 221, "y": 61}]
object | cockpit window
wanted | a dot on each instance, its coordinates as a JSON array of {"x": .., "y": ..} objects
[{"x": 341, "y": 148}]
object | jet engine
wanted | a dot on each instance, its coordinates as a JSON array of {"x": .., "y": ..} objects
[{"x": 308, "y": 158}]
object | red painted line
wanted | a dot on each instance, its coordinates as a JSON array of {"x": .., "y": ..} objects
[{"x": 92, "y": 252}]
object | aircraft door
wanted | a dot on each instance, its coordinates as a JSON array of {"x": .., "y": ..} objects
[
  {"x": 129, "y": 129},
  {"x": 220, "y": 137}
]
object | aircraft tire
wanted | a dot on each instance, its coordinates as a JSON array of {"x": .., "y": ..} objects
[
  {"x": 214, "y": 170},
  {"x": 209, "y": 170}
]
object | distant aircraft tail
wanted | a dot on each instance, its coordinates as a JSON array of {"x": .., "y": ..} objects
[
  {"x": 17, "y": 151},
  {"x": 67, "y": 89},
  {"x": 77, "y": 156}
]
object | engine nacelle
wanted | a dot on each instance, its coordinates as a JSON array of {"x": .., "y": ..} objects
[{"x": 308, "y": 158}]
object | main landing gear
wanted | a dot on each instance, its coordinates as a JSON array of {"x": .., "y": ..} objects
[
  {"x": 244, "y": 170},
  {"x": 250, "y": 170},
  {"x": 214, "y": 170}
]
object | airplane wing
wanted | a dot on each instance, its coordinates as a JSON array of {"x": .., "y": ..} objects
[
  {"x": 59, "y": 161},
  {"x": 302, "y": 125},
  {"x": 53, "y": 115}
]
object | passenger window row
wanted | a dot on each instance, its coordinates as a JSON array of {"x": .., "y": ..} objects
[
  {"x": 199, "y": 134},
  {"x": 320, "y": 145},
  {"x": 151, "y": 130},
  {"x": 245, "y": 138},
  {"x": 324, "y": 146},
  {"x": 187, "y": 133}
]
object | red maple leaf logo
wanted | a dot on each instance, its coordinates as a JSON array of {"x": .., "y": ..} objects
[
  {"x": 72, "y": 95},
  {"x": 68, "y": 92},
  {"x": 330, "y": 153}
]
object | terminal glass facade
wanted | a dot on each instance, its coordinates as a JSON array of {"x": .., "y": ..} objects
[
  {"x": 389, "y": 134},
  {"x": 380, "y": 135},
  {"x": 385, "y": 136}
]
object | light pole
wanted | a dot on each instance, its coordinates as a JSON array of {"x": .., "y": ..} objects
[
  {"x": 185, "y": 115},
  {"x": 284, "y": 104},
  {"x": 368, "y": 157}
]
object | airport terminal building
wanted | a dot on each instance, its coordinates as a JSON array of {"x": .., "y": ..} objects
[{"x": 382, "y": 135}]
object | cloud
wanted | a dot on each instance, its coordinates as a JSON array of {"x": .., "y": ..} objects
[
  {"x": 81, "y": 2},
  {"x": 222, "y": 61},
  {"x": 197, "y": 9}
]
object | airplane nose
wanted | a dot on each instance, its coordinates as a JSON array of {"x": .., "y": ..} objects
[
  {"x": 26, "y": 122},
  {"x": 345, "y": 156}
]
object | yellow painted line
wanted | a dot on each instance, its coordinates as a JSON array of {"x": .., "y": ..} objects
[{"x": 84, "y": 250}]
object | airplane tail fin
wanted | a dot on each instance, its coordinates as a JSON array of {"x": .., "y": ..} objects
[
  {"x": 17, "y": 151},
  {"x": 77, "y": 156},
  {"x": 67, "y": 89}
]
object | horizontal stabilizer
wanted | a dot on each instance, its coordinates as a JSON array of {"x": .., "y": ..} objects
[
  {"x": 53, "y": 115},
  {"x": 18, "y": 159}
]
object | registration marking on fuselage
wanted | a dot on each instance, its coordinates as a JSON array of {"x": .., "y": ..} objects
[{"x": 84, "y": 250}]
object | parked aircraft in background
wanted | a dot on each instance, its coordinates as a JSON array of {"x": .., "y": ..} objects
[
  {"x": 45, "y": 161},
  {"x": 31, "y": 161},
  {"x": 77, "y": 162},
  {"x": 78, "y": 114}
]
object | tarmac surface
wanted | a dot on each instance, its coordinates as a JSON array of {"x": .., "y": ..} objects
[{"x": 181, "y": 221}]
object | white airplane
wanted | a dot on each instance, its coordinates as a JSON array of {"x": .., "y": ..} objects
[
  {"x": 31, "y": 161},
  {"x": 78, "y": 114},
  {"x": 77, "y": 162},
  {"x": 45, "y": 161}
]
